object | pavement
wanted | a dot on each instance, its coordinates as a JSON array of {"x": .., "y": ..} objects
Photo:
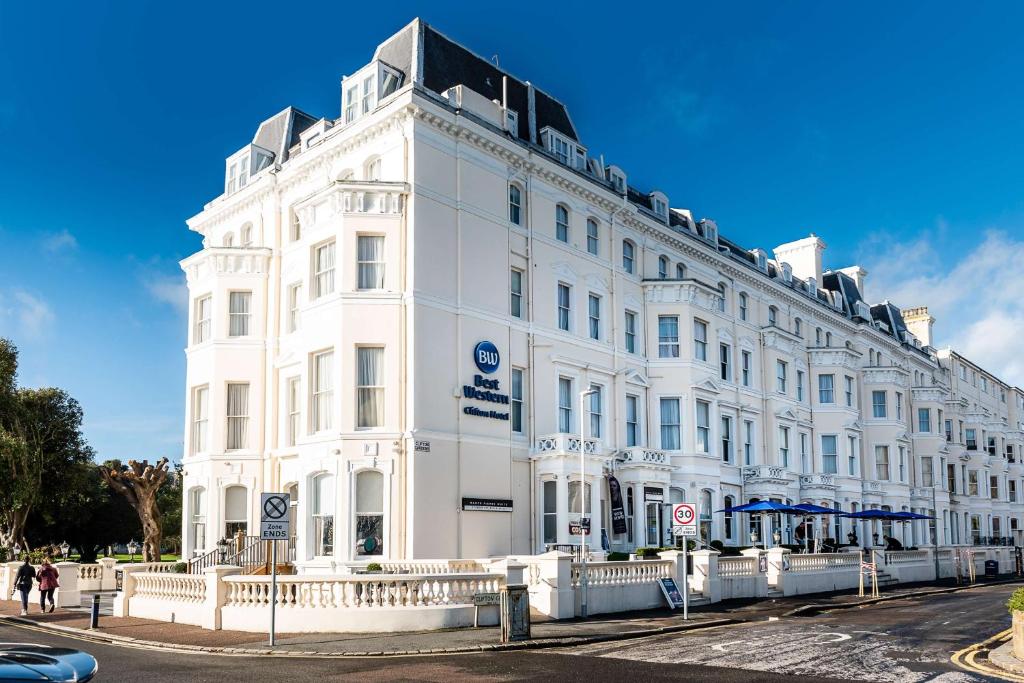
[{"x": 180, "y": 637}]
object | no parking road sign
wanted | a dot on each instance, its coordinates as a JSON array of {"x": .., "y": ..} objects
[
  {"x": 684, "y": 519},
  {"x": 274, "y": 521}
]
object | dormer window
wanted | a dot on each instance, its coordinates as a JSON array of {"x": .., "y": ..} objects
[
  {"x": 512, "y": 122},
  {"x": 243, "y": 165},
  {"x": 351, "y": 103},
  {"x": 368, "y": 91},
  {"x": 761, "y": 258},
  {"x": 560, "y": 148},
  {"x": 363, "y": 90},
  {"x": 710, "y": 230},
  {"x": 659, "y": 205},
  {"x": 617, "y": 178},
  {"x": 563, "y": 149},
  {"x": 787, "y": 273}
]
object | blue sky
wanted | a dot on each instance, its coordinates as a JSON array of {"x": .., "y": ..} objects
[{"x": 894, "y": 135}]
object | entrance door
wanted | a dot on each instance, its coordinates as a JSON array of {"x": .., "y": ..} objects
[{"x": 653, "y": 523}]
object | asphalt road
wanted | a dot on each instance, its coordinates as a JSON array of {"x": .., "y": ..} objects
[
  {"x": 906, "y": 640},
  {"x": 901, "y": 641}
]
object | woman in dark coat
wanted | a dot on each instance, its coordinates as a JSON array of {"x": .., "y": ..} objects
[{"x": 23, "y": 583}]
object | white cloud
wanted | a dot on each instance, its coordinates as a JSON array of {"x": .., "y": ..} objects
[
  {"x": 60, "y": 241},
  {"x": 24, "y": 315},
  {"x": 978, "y": 302},
  {"x": 168, "y": 289}
]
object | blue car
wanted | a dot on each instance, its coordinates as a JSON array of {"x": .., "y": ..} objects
[{"x": 40, "y": 663}]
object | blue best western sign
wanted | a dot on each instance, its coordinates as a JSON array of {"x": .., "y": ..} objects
[{"x": 487, "y": 360}]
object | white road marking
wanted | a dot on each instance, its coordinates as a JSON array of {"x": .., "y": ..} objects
[
  {"x": 874, "y": 633},
  {"x": 721, "y": 646},
  {"x": 839, "y": 637}
]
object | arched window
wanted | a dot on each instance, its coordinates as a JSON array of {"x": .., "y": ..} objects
[
  {"x": 871, "y": 356},
  {"x": 773, "y": 316},
  {"x": 372, "y": 168},
  {"x": 229, "y": 239},
  {"x": 828, "y": 339},
  {"x": 370, "y": 513},
  {"x": 561, "y": 223},
  {"x": 680, "y": 271},
  {"x": 721, "y": 300},
  {"x": 662, "y": 267},
  {"x": 628, "y": 256},
  {"x": 345, "y": 175},
  {"x": 743, "y": 306},
  {"x": 515, "y": 204},
  {"x": 236, "y": 517},
  {"x": 197, "y": 508},
  {"x": 798, "y": 327},
  {"x": 322, "y": 511},
  {"x": 593, "y": 242},
  {"x": 729, "y": 530},
  {"x": 246, "y": 234},
  {"x": 817, "y": 336}
]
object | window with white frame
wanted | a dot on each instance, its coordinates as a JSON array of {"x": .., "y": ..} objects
[
  {"x": 296, "y": 227},
  {"x": 924, "y": 420},
  {"x": 851, "y": 455},
  {"x": 703, "y": 427},
  {"x": 516, "y": 293},
  {"x": 680, "y": 271},
  {"x": 748, "y": 442},
  {"x": 596, "y": 417},
  {"x": 369, "y": 513},
  {"x": 370, "y": 261},
  {"x": 882, "y": 463},
  {"x": 294, "y": 299},
  {"x": 578, "y": 504},
  {"x": 236, "y": 511},
  {"x": 237, "y": 414},
  {"x": 829, "y": 454},
  {"x": 200, "y": 418},
  {"x": 294, "y": 411},
  {"x": 784, "y": 446},
  {"x": 246, "y": 235},
  {"x": 725, "y": 361},
  {"x": 517, "y": 400},
  {"x": 594, "y": 316},
  {"x": 564, "y": 310},
  {"x": 593, "y": 241},
  {"x": 368, "y": 91},
  {"x": 849, "y": 390},
  {"x": 773, "y": 316},
  {"x": 700, "y": 339},
  {"x": 372, "y": 169},
  {"x": 323, "y": 270},
  {"x": 798, "y": 327},
  {"x": 668, "y": 336},
  {"x": 781, "y": 376},
  {"x": 630, "y": 331},
  {"x": 632, "y": 420},
  {"x": 351, "y": 103},
  {"x": 800, "y": 385},
  {"x": 197, "y": 508},
  {"x": 203, "y": 315},
  {"x": 727, "y": 439},
  {"x": 899, "y": 405},
  {"x": 826, "y": 389},
  {"x": 879, "y": 409},
  {"x": 804, "y": 455},
  {"x": 743, "y": 306},
  {"x": 515, "y": 204},
  {"x": 745, "y": 367},
  {"x": 628, "y": 256},
  {"x": 927, "y": 471},
  {"x": 662, "y": 267},
  {"x": 323, "y": 507},
  {"x": 550, "y": 503},
  {"x": 902, "y": 462},
  {"x": 565, "y": 405},
  {"x": 239, "y": 313},
  {"x": 670, "y": 424},
  {"x": 322, "y": 404},
  {"x": 369, "y": 387},
  {"x": 561, "y": 223}
]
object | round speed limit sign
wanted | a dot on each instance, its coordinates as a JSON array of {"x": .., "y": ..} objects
[{"x": 684, "y": 514}]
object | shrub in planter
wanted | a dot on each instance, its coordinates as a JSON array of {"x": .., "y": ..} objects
[
  {"x": 374, "y": 567},
  {"x": 618, "y": 557},
  {"x": 179, "y": 567}
]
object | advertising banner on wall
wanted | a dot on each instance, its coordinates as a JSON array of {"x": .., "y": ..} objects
[{"x": 618, "y": 511}]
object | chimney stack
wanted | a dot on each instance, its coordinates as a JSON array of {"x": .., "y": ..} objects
[
  {"x": 919, "y": 323},
  {"x": 803, "y": 256}
]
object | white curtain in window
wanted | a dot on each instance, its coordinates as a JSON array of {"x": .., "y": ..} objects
[
  {"x": 238, "y": 415},
  {"x": 371, "y": 262},
  {"x": 323, "y": 391},
  {"x": 670, "y": 424},
  {"x": 324, "y": 269},
  {"x": 235, "y": 504},
  {"x": 199, "y": 418},
  {"x": 370, "y": 391},
  {"x": 574, "y": 498},
  {"x": 240, "y": 308}
]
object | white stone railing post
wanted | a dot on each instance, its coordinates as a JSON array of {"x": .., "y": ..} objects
[
  {"x": 216, "y": 594},
  {"x": 122, "y": 601},
  {"x": 108, "y": 582},
  {"x": 705, "y": 574},
  {"x": 556, "y": 595},
  {"x": 68, "y": 594},
  {"x": 778, "y": 561},
  {"x": 8, "y": 571}
]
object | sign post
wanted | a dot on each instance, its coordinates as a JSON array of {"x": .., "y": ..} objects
[
  {"x": 684, "y": 523},
  {"x": 274, "y": 526}
]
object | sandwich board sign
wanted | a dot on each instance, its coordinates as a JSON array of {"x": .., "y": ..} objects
[
  {"x": 671, "y": 592},
  {"x": 684, "y": 519},
  {"x": 274, "y": 522}
]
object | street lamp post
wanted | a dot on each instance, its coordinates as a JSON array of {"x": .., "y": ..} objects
[{"x": 583, "y": 491}]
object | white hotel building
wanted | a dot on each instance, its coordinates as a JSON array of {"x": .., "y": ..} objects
[{"x": 352, "y": 266}]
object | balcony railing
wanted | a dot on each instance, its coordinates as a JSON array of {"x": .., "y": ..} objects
[
  {"x": 819, "y": 481},
  {"x": 643, "y": 456},
  {"x": 554, "y": 444},
  {"x": 772, "y": 473}
]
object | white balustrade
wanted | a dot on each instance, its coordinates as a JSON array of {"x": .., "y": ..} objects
[
  {"x": 643, "y": 456},
  {"x": 173, "y": 588},
  {"x": 432, "y": 567},
  {"x": 824, "y": 562},
  {"x": 734, "y": 567},
  {"x": 623, "y": 573},
  {"x": 906, "y": 556}
]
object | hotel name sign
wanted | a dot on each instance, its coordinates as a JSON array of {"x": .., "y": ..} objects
[{"x": 487, "y": 360}]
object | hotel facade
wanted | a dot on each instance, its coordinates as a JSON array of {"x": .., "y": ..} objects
[{"x": 405, "y": 315}]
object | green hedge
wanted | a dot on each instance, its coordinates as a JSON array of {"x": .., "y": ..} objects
[{"x": 1016, "y": 601}]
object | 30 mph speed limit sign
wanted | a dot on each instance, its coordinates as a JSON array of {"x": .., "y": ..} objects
[{"x": 684, "y": 519}]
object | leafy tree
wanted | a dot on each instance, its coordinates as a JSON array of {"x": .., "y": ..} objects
[
  {"x": 169, "y": 499},
  {"x": 139, "y": 482}
]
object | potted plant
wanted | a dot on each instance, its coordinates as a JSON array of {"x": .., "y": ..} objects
[{"x": 1016, "y": 607}]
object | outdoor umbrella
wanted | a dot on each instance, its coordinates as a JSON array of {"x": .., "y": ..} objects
[
  {"x": 764, "y": 506},
  {"x": 812, "y": 509}
]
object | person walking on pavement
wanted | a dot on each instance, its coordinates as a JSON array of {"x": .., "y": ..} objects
[
  {"x": 47, "y": 576},
  {"x": 23, "y": 583}
]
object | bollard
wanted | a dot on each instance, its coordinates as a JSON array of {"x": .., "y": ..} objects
[{"x": 94, "y": 613}]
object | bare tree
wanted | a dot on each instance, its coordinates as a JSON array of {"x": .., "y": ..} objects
[{"x": 139, "y": 483}]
